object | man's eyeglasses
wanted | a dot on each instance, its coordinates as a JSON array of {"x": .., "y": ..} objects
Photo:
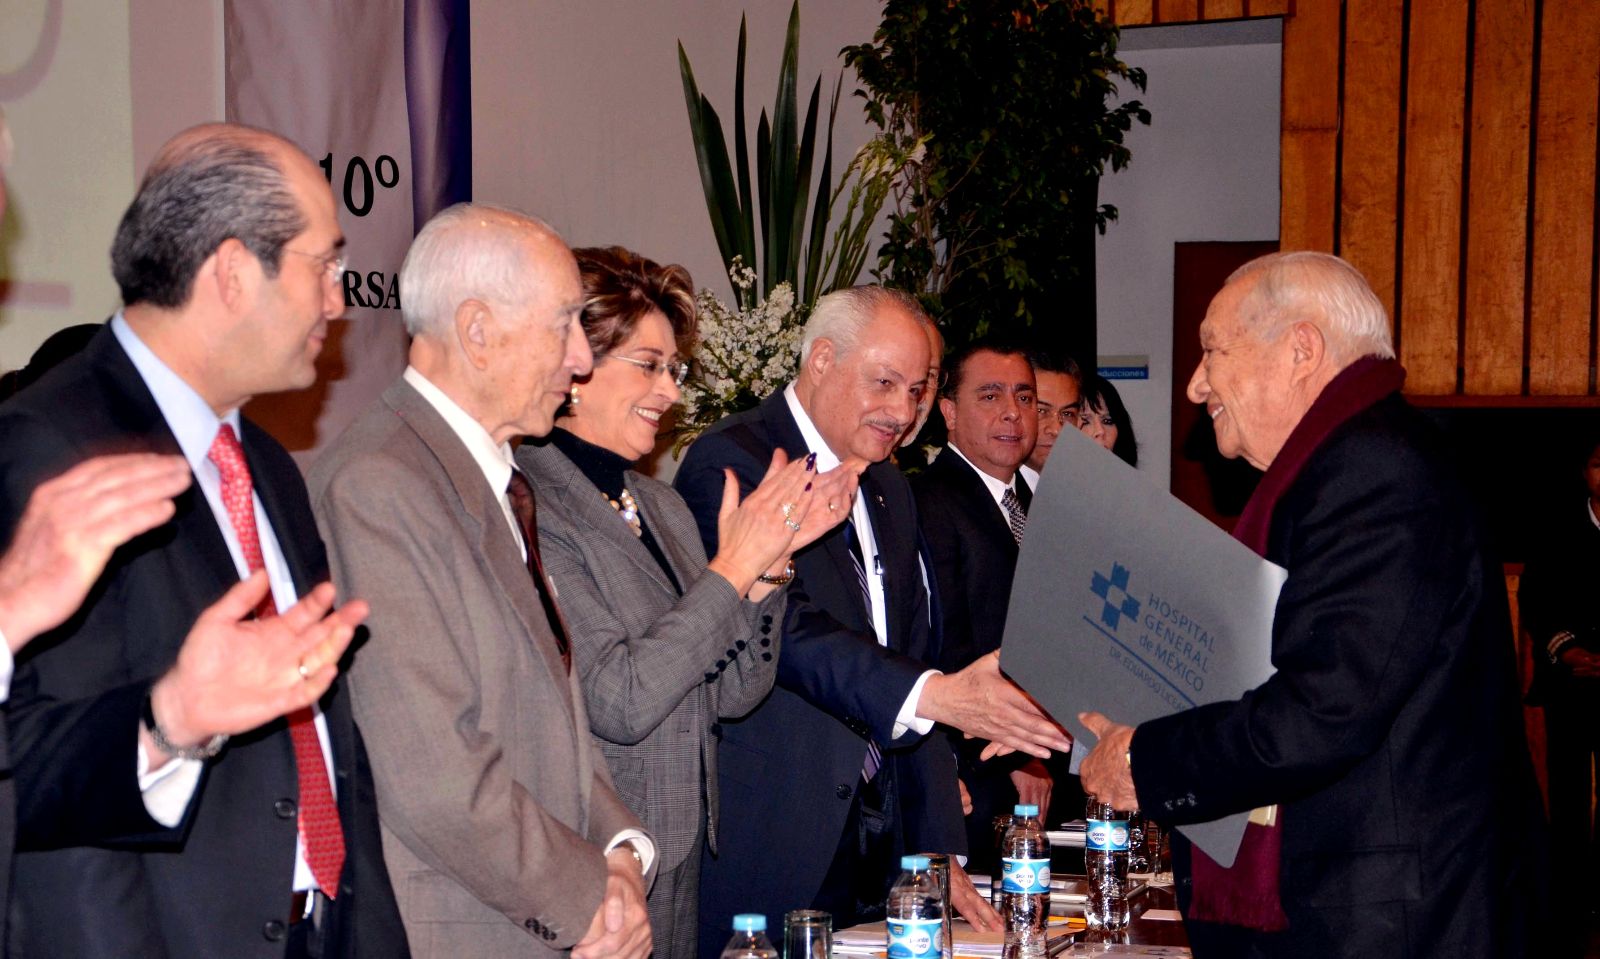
[
  {"x": 332, "y": 263},
  {"x": 677, "y": 369}
]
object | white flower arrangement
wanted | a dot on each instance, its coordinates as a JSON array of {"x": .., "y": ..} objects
[{"x": 744, "y": 354}]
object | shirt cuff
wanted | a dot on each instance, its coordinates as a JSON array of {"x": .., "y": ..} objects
[
  {"x": 1559, "y": 642},
  {"x": 7, "y": 664},
  {"x": 167, "y": 790},
  {"x": 908, "y": 718},
  {"x": 641, "y": 843}
]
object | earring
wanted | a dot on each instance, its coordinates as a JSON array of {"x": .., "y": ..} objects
[{"x": 573, "y": 399}]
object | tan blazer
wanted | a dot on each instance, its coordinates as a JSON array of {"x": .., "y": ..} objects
[{"x": 495, "y": 806}]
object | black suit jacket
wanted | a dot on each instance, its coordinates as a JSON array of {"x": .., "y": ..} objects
[
  {"x": 97, "y": 876},
  {"x": 788, "y": 770},
  {"x": 974, "y": 557},
  {"x": 1391, "y": 735}
]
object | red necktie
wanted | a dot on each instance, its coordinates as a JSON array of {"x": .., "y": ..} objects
[
  {"x": 319, "y": 816},
  {"x": 520, "y": 492}
]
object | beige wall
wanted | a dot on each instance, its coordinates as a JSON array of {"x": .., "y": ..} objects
[
  {"x": 578, "y": 111},
  {"x": 90, "y": 90}
]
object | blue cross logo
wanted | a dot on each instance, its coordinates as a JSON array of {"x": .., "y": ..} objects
[{"x": 1114, "y": 590}]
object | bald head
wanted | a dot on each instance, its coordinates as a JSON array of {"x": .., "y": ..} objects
[
  {"x": 1282, "y": 289},
  {"x": 210, "y": 183}
]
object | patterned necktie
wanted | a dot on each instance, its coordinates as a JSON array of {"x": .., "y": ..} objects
[
  {"x": 319, "y": 814},
  {"x": 520, "y": 492},
  {"x": 874, "y": 758},
  {"x": 1015, "y": 517}
]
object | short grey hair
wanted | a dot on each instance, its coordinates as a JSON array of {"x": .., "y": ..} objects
[
  {"x": 1320, "y": 288},
  {"x": 840, "y": 316},
  {"x": 468, "y": 251},
  {"x": 209, "y": 184}
]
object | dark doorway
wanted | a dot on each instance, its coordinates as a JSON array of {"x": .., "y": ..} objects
[{"x": 1215, "y": 487}]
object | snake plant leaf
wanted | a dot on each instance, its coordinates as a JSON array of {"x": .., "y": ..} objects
[
  {"x": 785, "y": 138},
  {"x": 741, "y": 147},
  {"x": 704, "y": 149},
  {"x": 802, "y": 182},
  {"x": 764, "y": 189},
  {"x": 819, "y": 215}
]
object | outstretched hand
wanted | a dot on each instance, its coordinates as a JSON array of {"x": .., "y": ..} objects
[
  {"x": 981, "y": 702},
  {"x": 70, "y": 528},
  {"x": 1106, "y": 771}
]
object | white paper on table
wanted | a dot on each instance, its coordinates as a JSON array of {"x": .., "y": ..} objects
[{"x": 1129, "y": 603}]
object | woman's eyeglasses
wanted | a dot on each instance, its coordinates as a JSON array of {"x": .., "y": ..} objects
[{"x": 677, "y": 369}]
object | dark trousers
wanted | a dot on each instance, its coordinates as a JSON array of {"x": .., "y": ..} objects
[{"x": 864, "y": 864}]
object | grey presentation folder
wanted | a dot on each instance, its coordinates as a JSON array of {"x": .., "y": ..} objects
[{"x": 1129, "y": 603}]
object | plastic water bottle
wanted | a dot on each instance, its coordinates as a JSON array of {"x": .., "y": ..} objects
[
  {"x": 915, "y": 912},
  {"x": 1025, "y": 884},
  {"x": 749, "y": 938},
  {"x": 1105, "y": 859}
]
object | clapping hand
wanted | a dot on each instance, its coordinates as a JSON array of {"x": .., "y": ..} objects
[
  {"x": 235, "y": 673},
  {"x": 70, "y": 528}
]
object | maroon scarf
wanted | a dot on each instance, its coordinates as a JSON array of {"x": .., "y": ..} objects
[{"x": 1246, "y": 893}]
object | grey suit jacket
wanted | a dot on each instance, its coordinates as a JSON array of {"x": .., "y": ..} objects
[
  {"x": 658, "y": 670},
  {"x": 494, "y": 803}
]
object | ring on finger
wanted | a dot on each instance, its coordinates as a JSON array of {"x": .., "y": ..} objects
[
  {"x": 792, "y": 525},
  {"x": 788, "y": 510},
  {"x": 305, "y": 673}
]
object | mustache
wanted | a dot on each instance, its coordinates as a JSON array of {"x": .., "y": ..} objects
[{"x": 893, "y": 426}]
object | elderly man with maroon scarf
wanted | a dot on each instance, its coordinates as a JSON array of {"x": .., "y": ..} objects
[{"x": 1398, "y": 815}]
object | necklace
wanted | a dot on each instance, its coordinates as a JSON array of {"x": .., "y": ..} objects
[{"x": 628, "y": 509}]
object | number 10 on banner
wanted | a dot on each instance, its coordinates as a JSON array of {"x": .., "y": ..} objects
[{"x": 362, "y": 180}]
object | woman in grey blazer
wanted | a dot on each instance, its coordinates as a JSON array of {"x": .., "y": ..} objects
[{"x": 665, "y": 643}]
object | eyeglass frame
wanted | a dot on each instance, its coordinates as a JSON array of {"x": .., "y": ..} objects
[
  {"x": 333, "y": 264},
  {"x": 654, "y": 368}
]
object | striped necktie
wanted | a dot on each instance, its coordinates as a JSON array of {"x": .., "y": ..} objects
[
  {"x": 1016, "y": 518},
  {"x": 874, "y": 758}
]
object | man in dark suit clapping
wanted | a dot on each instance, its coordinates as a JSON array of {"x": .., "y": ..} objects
[{"x": 826, "y": 782}]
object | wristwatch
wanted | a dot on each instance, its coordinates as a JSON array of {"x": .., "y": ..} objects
[
  {"x": 206, "y": 750},
  {"x": 782, "y": 579}
]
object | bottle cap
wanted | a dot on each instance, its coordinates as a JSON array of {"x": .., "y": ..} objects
[
  {"x": 914, "y": 863},
  {"x": 750, "y": 922},
  {"x": 1025, "y": 809}
]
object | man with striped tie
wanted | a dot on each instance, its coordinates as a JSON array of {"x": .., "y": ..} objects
[
  {"x": 973, "y": 503},
  {"x": 834, "y": 776}
]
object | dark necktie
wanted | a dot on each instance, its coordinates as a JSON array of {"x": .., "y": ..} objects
[
  {"x": 319, "y": 814},
  {"x": 520, "y": 491},
  {"x": 874, "y": 757}
]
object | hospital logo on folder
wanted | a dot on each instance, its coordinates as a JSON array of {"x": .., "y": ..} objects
[{"x": 1114, "y": 590}]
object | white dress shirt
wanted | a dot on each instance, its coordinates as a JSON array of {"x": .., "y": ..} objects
[
  {"x": 168, "y": 789},
  {"x": 907, "y": 718},
  {"x": 494, "y": 459},
  {"x": 996, "y": 488}
]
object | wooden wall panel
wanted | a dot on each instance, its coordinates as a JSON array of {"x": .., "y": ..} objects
[
  {"x": 1431, "y": 248},
  {"x": 1131, "y": 13},
  {"x": 1177, "y": 11},
  {"x": 1310, "y": 121},
  {"x": 1221, "y": 9},
  {"x": 1497, "y": 197},
  {"x": 1564, "y": 198},
  {"x": 1369, "y": 166},
  {"x": 1418, "y": 143}
]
